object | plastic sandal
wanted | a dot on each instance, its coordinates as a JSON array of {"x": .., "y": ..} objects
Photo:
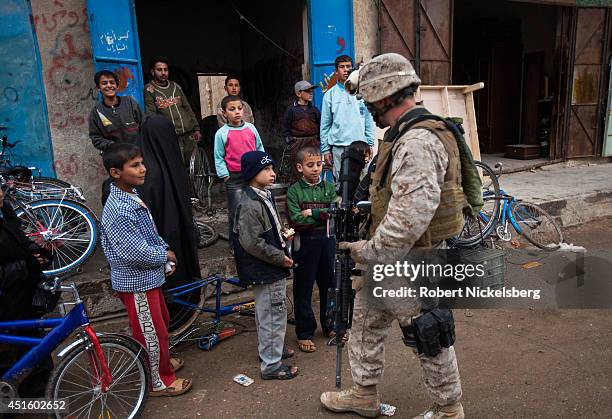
[
  {"x": 284, "y": 372},
  {"x": 307, "y": 346},
  {"x": 176, "y": 364},
  {"x": 178, "y": 387}
]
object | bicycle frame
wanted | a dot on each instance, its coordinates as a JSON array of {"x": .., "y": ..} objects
[
  {"x": 61, "y": 329},
  {"x": 219, "y": 310},
  {"x": 505, "y": 212}
]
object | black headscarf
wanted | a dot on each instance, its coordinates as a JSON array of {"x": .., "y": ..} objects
[{"x": 166, "y": 193}]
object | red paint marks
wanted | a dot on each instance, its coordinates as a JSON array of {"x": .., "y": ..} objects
[
  {"x": 51, "y": 24},
  {"x": 125, "y": 74},
  {"x": 61, "y": 120},
  {"x": 73, "y": 166},
  {"x": 67, "y": 64},
  {"x": 342, "y": 43}
]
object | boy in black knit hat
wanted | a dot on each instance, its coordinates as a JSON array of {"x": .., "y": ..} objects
[{"x": 262, "y": 260}]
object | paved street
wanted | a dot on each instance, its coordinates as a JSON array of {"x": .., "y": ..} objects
[{"x": 527, "y": 362}]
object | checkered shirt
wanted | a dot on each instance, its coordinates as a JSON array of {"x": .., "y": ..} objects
[{"x": 135, "y": 252}]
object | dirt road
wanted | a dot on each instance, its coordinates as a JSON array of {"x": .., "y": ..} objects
[{"x": 513, "y": 363}]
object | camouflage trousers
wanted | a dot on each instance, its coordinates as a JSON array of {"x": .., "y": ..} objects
[{"x": 366, "y": 348}]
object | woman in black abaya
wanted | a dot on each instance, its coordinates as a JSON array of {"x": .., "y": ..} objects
[{"x": 166, "y": 193}]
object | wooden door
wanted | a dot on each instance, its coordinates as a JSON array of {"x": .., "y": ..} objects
[
  {"x": 585, "y": 116},
  {"x": 420, "y": 30}
]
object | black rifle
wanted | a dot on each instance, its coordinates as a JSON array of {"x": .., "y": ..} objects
[{"x": 344, "y": 224}]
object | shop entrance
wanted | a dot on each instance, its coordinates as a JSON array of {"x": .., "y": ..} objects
[{"x": 510, "y": 46}]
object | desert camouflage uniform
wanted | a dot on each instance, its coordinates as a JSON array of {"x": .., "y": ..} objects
[{"x": 417, "y": 171}]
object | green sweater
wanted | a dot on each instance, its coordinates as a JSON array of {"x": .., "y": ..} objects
[
  {"x": 171, "y": 102},
  {"x": 301, "y": 196}
]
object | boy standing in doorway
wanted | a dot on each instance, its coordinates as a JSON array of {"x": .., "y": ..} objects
[
  {"x": 166, "y": 98},
  {"x": 232, "y": 88}
]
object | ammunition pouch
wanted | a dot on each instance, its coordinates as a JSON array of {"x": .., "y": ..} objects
[{"x": 430, "y": 332}]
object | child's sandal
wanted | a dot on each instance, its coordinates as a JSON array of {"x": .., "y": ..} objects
[
  {"x": 178, "y": 387},
  {"x": 307, "y": 346},
  {"x": 176, "y": 364},
  {"x": 284, "y": 372}
]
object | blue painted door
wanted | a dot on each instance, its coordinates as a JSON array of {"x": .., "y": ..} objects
[
  {"x": 330, "y": 34},
  {"x": 114, "y": 43},
  {"x": 23, "y": 109}
]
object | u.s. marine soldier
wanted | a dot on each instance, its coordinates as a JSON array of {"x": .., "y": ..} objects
[{"x": 417, "y": 203}]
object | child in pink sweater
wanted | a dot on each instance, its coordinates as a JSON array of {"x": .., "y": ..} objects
[{"x": 231, "y": 141}]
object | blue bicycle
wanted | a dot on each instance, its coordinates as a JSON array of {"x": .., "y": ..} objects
[
  {"x": 99, "y": 375},
  {"x": 501, "y": 210}
]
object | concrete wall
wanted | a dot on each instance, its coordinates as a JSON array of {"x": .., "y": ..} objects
[
  {"x": 365, "y": 24},
  {"x": 65, "y": 51}
]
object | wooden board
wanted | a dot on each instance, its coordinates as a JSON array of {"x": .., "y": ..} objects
[{"x": 456, "y": 102}]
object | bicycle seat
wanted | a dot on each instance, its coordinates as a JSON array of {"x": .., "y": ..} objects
[{"x": 19, "y": 173}]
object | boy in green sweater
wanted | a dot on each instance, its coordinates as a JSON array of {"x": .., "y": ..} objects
[
  {"x": 308, "y": 202},
  {"x": 165, "y": 97}
]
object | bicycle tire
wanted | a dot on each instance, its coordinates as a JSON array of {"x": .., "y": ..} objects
[
  {"x": 46, "y": 212},
  {"x": 139, "y": 358},
  {"x": 474, "y": 233},
  {"x": 530, "y": 217},
  {"x": 207, "y": 235},
  {"x": 200, "y": 174},
  {"x": 183, "y": 317}
]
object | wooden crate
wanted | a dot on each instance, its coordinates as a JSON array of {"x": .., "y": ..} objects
[
  {"x": 455, "y": 102},
  {"x": 523, "y": 151}
]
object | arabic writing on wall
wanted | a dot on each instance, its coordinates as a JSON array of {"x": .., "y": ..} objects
[{"x": 115, "y": 43}]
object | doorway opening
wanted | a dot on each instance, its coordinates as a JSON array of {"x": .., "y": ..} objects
[
  {"x": 511, "y": 47},
  {"x": 265, "y": 46}
]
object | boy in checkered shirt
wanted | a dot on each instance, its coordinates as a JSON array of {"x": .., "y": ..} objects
[{"x": 139, "y": 262}]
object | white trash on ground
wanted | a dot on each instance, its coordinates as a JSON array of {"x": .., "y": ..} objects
[{"x": 570, "y": 247}]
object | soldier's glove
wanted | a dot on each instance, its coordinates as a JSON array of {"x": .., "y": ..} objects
[
  {"x": 357, "y": 281},
  {"x": 355, "y": 249}
]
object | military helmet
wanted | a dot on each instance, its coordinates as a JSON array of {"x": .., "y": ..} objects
[{"x": 385, "y": 75}]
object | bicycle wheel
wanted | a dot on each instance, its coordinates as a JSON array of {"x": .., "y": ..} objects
[
  {"x": 76, "y": 381},
  {"x": 536, "y": 225},
  {"x": 476, "y": 230},
  {"x": 68, "y": 229},
  {"x": 200, "y": 174},
  {"x": 207, "y": 236}
]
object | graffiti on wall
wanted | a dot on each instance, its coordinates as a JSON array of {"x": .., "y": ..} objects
[
  {"x": 73, "y": 166},
  {"x": 113, "y": 42},
  {"x": 63, "y": 31}
]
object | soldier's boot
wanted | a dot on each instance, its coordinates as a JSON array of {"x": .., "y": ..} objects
[
  {"x": 450, "y": 411},
  {"x": 365, "y": 401}
]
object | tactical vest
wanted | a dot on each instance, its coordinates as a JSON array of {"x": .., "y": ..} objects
[{"x": 448, "y": 219}]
